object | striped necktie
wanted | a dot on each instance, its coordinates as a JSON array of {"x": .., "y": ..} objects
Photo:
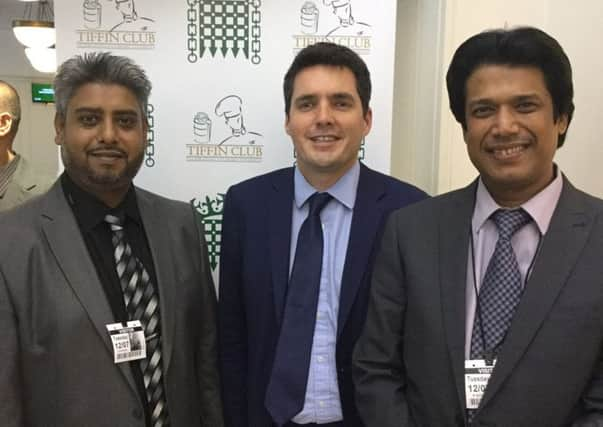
[{"x": 142, "y": 303}]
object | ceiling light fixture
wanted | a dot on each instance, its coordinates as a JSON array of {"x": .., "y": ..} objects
[
  {"x": 43, "y": 59},
  {"x": 36, "y": 29}
]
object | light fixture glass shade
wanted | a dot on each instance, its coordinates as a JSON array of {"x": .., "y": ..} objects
[
  {"x": 35, "y": 34},
  {"x": 43, "y": 60}
]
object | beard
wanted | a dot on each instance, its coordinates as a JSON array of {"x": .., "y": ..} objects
[{"x": 100, "y": 178}]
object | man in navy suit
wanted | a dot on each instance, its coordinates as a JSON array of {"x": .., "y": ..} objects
[{"x": 327, "y": 90}]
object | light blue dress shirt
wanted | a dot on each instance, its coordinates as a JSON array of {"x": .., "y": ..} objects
[{"x": 322, "y": 402}]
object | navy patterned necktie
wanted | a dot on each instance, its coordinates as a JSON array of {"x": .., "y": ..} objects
[
  {"x": 142, "y": 304},
  {"x": 287, "y": 386},
  {"x": 501, "y": 289}
]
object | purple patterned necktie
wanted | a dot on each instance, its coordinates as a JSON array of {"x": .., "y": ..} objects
[{"x": 501, "y": 289}]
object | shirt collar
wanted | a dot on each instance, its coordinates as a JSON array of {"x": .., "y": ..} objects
[
  {"x": 12, "y": 164},
  {"x": 90, "y": 211},
  {"x": 344, "y": 190},
  {"x": 540, "y": 207}
]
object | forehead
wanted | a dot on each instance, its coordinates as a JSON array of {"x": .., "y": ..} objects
[
  {"x": 495, "y": 81},
  {"x": 104, "y": 96},
  {"x": 324, "y": 79}
]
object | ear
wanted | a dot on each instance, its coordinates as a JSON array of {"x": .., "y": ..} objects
[
  {"x": 464, "y": 134},
  {"x": 59, "y": 128},
  {"x": 6, "y": 121},
  {"x": 287, "y": 124},
  {"x": 368, "y": 122},
  {"x": 562, "y": 123},
  {"x": 145, "y": 132}
]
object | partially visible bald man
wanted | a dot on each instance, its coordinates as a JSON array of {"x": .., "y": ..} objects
[{"x": 18, "y": 180}]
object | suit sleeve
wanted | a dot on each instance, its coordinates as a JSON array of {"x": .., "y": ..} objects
[
  {"x": 11, "y": 410},
  {"x": 207, "y": 365},
  {"x": 232, "y": 324},
  {"x": 592, "y": 399},
  {"x": 378, "y": 368}
]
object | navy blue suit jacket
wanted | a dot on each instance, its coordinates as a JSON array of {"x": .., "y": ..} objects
[{"x": 254, "y": 272}]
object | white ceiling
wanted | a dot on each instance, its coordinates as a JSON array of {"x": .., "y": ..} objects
[{"x": 13, "y": 62}]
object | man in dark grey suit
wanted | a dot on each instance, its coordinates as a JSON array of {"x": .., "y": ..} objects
[
  {"x": 107, "y": 307},
  {"x": 18, "y": 180},
  {"x": 486, "y": 303}
]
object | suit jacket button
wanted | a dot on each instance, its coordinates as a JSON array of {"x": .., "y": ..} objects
[{"x": 137, "y": 413}]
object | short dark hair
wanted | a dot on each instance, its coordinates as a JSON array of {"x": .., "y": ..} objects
[
  {"x": 331, "y": 54},
  {"x": 10, "y": 103},
  {"x": 99, "y": 67},
  {"x": 523, "y": 46}
]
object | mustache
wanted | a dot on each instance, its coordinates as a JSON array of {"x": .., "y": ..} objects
[{"x": 108, "y": 150}]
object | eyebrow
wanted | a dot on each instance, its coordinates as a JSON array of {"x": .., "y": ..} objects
[
  {"x": 335, "y": 96},
  {"x": 523, "y": 97},
  {"x": 100, "y": 111}
]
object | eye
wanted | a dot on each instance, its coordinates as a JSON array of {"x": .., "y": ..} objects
[
  {"x": 127, "y": 122},
  {"x": 343, "y": 104},
  {"x": 88, "y": 120},
  {"x": 526, "y": 106},
  {"x": 482, "y": 111},
  {"x": 304, "y": 105}
]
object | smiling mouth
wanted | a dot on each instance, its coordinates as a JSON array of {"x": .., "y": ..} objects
[
  {"x": 507, "y": 153},
  {"x": 324, "y": 138},
  {"x": 107, "y": 154}
]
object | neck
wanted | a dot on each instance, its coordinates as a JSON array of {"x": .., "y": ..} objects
[
  {"x": 111, "y": 196},
  {"x": 322, "y": 181},
  {"x": 6, "y": 156},
  {"x": 509, "y": 197}
]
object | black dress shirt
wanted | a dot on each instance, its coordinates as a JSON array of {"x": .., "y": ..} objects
[{"x": 89, "y": 213}]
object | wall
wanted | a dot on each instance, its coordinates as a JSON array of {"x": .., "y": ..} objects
[
  {"x": 35, "y": 139},
  {"x": 427, "y": 146},
  {"x": 416, "y": 122},
  {"x": 576, "y": 29},
  {"x": 36, "y": 135}
]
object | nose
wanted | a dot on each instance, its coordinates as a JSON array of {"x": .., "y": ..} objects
[
  {"x": 108, "y": 132},
  {"x": 324, "y": 114},
  {"x": 506, "y": 122}
]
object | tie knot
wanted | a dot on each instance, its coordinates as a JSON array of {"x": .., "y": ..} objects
[
  {"x": 509, "y": 221},
  {"x": 317, "y": 202},
  {"x": 115, "y": 222}
]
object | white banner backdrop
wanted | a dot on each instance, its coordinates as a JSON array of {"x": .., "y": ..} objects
[{"x": 217, "y": 66}]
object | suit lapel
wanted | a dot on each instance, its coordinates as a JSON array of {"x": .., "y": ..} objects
[
  {"x": 568, "y": 232},
  {"x": 68, "y": 247},
  {"x": 21, "y": 184},
  {"x": 279, "y": 225},
  {"x": 454, "y": 234},
  {"x": 159, "y": 244},
  {"x": 365, "y": 223}
]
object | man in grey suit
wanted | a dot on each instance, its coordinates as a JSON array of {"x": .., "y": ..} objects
[
  {"x": 486, "y": 303},
  {"x": 107, "y": 307},
  {"x": 18, "y": 180}
]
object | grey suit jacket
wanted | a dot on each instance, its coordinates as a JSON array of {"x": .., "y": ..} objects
[
  {"x": 409, "y": 362},
  {"x": 24, "y": 184},
  {"x": 56, "y": 358}
]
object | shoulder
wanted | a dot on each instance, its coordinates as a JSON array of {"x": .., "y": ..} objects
[
  {"x": 149, "y": 200},
  {"x": 572, "y": 196},
  {"x": 254, "y": 189},
  {"x": 399, "y": 191},
  {"x": 29, "y": 178},
  {"x": 434, "y": 210},
  {"x": 21, "y": 226},
  {"x": 267, "y": 180}
]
